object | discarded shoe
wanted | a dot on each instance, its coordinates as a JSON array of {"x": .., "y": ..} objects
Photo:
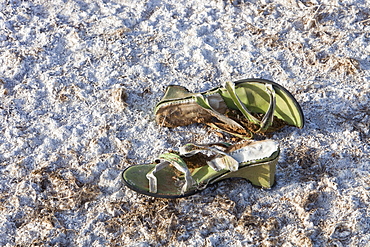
[
  {"x": 241, "y": 108},
  {"x": 175, "y": 175}
]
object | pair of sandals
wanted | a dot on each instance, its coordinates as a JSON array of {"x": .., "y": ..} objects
[{"x": 242, "y": 108}]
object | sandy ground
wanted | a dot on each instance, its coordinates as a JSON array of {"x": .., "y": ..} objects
[{"x": 67, "y": 131}]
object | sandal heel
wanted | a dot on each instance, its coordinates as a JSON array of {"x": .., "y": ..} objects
[{"x": 261, "y": 175}]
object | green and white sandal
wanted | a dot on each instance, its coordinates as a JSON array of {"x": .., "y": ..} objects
[
  {"x": 241, "y": 108},
  {"x": 181, "y": 174}
]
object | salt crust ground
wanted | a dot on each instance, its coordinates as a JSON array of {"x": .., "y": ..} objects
[{"x": 67, "y": 130}]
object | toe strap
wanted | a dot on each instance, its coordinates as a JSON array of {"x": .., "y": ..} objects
[{"x": 164, "y": 161}]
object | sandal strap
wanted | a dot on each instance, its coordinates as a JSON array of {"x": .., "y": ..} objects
[
  {"x": 230, "y": 87},
  {"x": 204, "y": 103},
  {"x": 164, "y": 161},
  {"x": 269, "y": 115},
  {"x": 222, "y": 161}
]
